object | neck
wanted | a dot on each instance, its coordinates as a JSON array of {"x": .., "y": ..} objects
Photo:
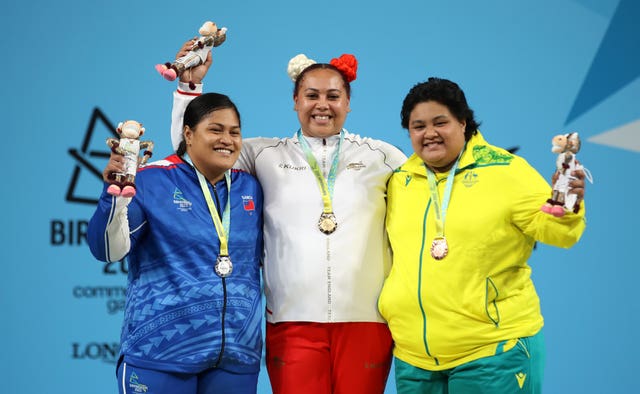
[
  {"x": 212, "y": 176},
  {"x": 441, "y": 169},
  {"x": 308, "y": 135},
  {"x": 213, "y": 179}
]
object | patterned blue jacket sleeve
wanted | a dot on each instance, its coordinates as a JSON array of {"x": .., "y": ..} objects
[{"x": 112, "y": 225}]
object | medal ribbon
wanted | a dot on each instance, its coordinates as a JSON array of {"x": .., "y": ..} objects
[
  {"x": 222, "y": 226},
  {"x": 326, "y": 186},
  {"x": 441, "y": 210}
]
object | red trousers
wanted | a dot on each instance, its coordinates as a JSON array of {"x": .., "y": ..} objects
[{"x": 328, "y": 358}]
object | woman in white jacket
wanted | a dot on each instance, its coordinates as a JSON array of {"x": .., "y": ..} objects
[{"x": 326, "y": 249}]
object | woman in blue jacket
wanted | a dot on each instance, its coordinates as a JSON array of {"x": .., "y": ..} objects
[{"x": 193, "y": 238}]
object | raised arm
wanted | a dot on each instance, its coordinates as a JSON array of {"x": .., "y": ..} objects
[{"x": 189, "y": 87}]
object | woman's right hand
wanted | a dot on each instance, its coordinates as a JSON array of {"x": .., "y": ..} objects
[
  {"x": 194, "y": 74},
  {"x": 115, "y": 164}
]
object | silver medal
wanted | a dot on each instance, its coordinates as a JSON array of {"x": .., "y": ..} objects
[
  {"x": 439, "y": 248},
  {"x": 327, "y": 223},
  {"x": 223, "y": 266}
]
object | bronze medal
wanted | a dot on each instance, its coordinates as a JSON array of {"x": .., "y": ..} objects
[
  {"x": 223, "y": 266},
  {"x": 327, "y": 223},
  {"x": 439, "y": 248}
]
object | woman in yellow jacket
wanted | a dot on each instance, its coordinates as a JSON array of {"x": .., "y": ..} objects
[{"x": 463, "y": 217}]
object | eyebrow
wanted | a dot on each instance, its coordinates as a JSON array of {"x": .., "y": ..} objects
[
  {"x": 328, "y": 90},
  {"x": 210, "y": 124}
]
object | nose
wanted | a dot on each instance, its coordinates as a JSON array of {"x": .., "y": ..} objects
[
  {"x": 429, "y": 132},
  {"x": 322, "y": 103},
  {"x": 225, "y": 138}
]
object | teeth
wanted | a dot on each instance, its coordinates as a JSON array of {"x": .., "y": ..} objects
[
  {"x": 321, "y": 117},
  {"x": 222, "y": 151}
]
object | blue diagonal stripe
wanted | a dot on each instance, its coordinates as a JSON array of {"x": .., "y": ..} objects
[{"x": 617, "y": 62}]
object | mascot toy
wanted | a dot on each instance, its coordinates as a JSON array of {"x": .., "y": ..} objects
[
  {"x": 129, "y": 146},
  {"x": 566, "y": 146},
  {"x": 210, "y": 36}
]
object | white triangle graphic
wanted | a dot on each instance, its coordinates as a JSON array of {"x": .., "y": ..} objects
[{"x": 624, "y": 137}]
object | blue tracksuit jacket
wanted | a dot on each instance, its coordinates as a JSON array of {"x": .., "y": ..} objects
[{"x": 176, "y": 305}]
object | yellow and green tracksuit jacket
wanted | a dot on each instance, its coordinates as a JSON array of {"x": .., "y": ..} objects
[{"x": 480, "y": 298}]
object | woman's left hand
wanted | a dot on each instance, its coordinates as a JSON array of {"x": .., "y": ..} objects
[{"x": 576, "y": 186}]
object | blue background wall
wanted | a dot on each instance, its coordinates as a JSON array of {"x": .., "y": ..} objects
[{"x": 530, "y": 69}]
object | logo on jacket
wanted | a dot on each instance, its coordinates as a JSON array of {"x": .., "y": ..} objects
[
  {"x": 287, "y": 166},
  {"x": 356, "y": 166},
  {"x": 470, "y": 179},
  {"x": 136, "y": 385},
  {"x": 183, "y": 204},
  {"x": 248, "y": 204},
  {"x": 407, "y": 179},
  {"x": 521, "y": 377}
]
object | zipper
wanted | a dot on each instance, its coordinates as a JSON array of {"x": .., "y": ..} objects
[{"x": 224, "y": 292}]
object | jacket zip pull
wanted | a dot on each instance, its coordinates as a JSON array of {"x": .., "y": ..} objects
[{"x": 215, "y": 195}]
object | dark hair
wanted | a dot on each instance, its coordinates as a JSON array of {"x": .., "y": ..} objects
[
  {"x": 445, "y": 92},
  {"x": 321, "y": 66},
  {"x": 200, "y": 107}
]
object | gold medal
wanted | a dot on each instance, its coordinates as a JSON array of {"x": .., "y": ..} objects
[
  {"x": 439, "y": 248},
  {"x": 223, "y": 266},
  {"x": 327, "y": 223}
]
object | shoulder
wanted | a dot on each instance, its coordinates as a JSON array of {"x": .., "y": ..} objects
[
  {"x": 490, "y": 155},
  {"x": 391, "y": 154},
  {"x": 502, "y": 163},
  {"x": 244, "y": 178},
  {"x": 168, "y": 163},
  {"x": 257, "y": 146},
  {"x": 483, "y": 154},
  {"x": 411, "y": 167},
  {"x": 263, "y": 142},
  {"x": 242, "y": 175}
]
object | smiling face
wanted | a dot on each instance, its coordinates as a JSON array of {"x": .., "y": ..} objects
[
  {"x": 436, "y": 135},
  {"x": 322, "y": 103},
  {"x": 214, "y": 145}
]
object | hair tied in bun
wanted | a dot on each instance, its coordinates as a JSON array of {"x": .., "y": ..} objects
[{"x": 347, "y": 64}]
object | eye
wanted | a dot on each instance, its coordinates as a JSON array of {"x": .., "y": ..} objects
[
  {"x": 311, "y": 96},
  {"x": 333, "y": 97}
]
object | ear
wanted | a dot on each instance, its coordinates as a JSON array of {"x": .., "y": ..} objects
[
  {"x": 295, "y": 103},
  {"x": 187, "y": 134}
]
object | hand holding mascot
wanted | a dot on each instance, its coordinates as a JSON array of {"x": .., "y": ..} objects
[
  {"x": 566, "y": 146},
  {"x": 129, "y": 146},
  {"x": 210, "y": 36}
]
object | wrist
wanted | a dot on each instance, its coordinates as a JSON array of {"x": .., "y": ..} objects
[{"x": 195, "y": 89}]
